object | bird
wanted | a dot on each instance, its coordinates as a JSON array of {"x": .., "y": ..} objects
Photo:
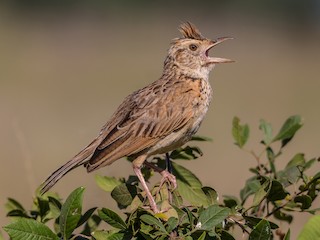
[{"x": 158, "y": 118}]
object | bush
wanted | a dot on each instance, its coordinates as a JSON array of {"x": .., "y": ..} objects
[{"x": 192, "y": 211}]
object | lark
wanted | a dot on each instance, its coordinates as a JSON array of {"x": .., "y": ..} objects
[{"x": 158, "y": 118}]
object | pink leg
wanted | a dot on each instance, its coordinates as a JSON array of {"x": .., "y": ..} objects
[
  {"x": 153, "y": 204},
  {"x": 166, "y": 176}
]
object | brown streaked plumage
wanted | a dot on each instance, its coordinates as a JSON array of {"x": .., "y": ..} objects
[
  {"x": 157, "y": 118},
  {"x": 190, "y": 31}
]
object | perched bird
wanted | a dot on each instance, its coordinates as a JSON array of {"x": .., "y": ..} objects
[{"x": 157, "y": 118}]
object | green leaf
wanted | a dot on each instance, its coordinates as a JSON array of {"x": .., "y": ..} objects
[
  {"x": 55, "y": 202},
  {"x": 202, "y": 236},
  {"x": 181, "y": 215},
  {"x": 253, "y": 221},
  {"x": 13, "y": 204},
  {"x": 230, "y": 201},
  {"x": 287, "y": 236},
  {"x": 314, "y": 178},
  {"x": 312, "y": 211},
  {"x": 18, "y": 213},
  {"x": 176, "y": 198},
  {"x": 283, "y": 216},
  {"x": 107, "y": 183},
  {"x": 190, "y": 216},
  {"x": 201, "y": 138},
  {"x": 145, "y": 232},
  {"x": 194, "y": 195},
  {"x": 305, "y": 201},
  {"x": 71, "y": 212},
  {"x": 266, "y": 128},
  {"x": 288, "y": 129},
  {"x": 313, "y": 190},
  {"x": 309, "y": 163},
  {"x": 271, "y": 157},
  {"x": 211, "y": 217},
  {"x": 311, "y": 229},
  {"x": 186, "y": 176},
  {"x": 261, "y": 193},
  {"x": 291, "y": 173},
  {"x": 136, "y": 203},
  {"x": 212, "y": 195},
  {"x": 111, "y": 235},
  {"x": 43, "y": 206},
  {"x": 249, "y": 188},
  {"x": 29, "y": 229},
  {"x": 153, "y": 221},
  {"x": 124, "y": 194},
  {"x": 240, "y": 132},
  {"x": 276, "y": 192},
  {"x": 259, "y": 196},
  {"x": 172, "y": 223},
  {"x": 112, "y": 218},
  {"x": 226, "y": 236},
  {"x": 262, "y": 231},
  {"x": 91, "y": 225},
  {"x": 84, "y": 218},
  {"x": 189, "y": 186},
  {"x": 102, "y": 235},
  {"x": 186, "y": 153},
  {"x": 120, "y": 236},
  {"x": 1, "y": 236},
  {"x": 146, "y": 172},
  {"x": 254, "y": 185},
  {"x": 54, "y": 209},
  {"x": 297, "y": 160}
]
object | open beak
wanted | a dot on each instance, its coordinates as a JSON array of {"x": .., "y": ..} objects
[{"x": 216, "y": 60}]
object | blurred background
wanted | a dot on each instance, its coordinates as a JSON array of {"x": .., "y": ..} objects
[{"x": 66, "y": 65}]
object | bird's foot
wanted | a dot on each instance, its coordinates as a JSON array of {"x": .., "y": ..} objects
[
  {"x": 154, "y": 207},
  {"x": 168, "y": 177},
  {"x": 156, "y": 210}
]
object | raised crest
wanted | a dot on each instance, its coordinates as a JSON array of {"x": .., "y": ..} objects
[{"x": 189, "y": 30}]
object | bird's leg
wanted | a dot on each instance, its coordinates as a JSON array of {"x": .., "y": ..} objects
[
  {"x": 168, "y": 163},
  {"x": 169, "y": 168},
  {"x": 137, "y": 163},
  {"x": 169, "y": 172},
  {"x": 166, "y": 175}
]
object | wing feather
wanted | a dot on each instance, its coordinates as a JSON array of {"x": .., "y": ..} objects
[{"x": 150, "y": 119}]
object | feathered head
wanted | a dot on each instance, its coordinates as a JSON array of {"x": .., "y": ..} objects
[
  {"x": 191, "y": 52},
  {"x": 188, "y": 30}
]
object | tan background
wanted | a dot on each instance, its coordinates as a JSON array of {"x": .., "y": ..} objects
[{"x": 64, "y": 68}]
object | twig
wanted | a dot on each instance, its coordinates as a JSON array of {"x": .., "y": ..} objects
[
  {"x": 284, "y": 204},
  {"x": 260, "y": 209},
  {"x": 239, "y": 223}
]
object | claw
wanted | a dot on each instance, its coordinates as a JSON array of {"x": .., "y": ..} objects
[{"x": 168, "y": 177}]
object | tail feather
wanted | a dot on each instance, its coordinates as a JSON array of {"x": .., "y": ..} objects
[
  {"x": 80, "y": 159},
  {"x": 59, "y": 173}
]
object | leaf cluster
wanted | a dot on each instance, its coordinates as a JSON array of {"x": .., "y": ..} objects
[{"x": 192, "y": 211}]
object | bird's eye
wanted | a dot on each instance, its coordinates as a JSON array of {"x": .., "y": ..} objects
[{"x": 193, "y": 47}]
